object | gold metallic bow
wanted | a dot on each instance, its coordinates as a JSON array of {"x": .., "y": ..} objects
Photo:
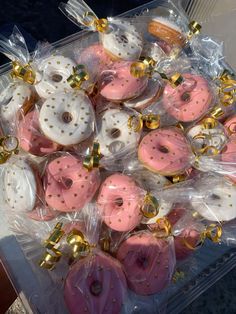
[
  {"x": 163, "y": 228},
  {"x": 151, "y": 121},
  {"x": 178, "y": 178},
  {"x": 216, "y": 112},
  {"x": 227, "y": 90},
  {"x": 101, "y": 25},
  {"x": 23, "y": 72},
  {"x": 52, "y": 254},
  {"x": 146, "y": 67},
  {"x": 105, "y": 243},
  {"x": 78, "y": 76},
  {"x": 150, "y": 207},
  {"x": 194, "y": 29},
  {"x": 79, "y": 245},
  {"x": 6, "y": 151},
  {"x": 92, "y": 161}
]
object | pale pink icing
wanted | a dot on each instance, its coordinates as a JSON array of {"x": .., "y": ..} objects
[
  {"x": 102, "y": 271},
  {"x": 165, "y": 151},
  {"x": 119, "y": 202},
  {"x": 196, "y": 105},
  {"x": 68, "y": 185},
  {"x": 148, "y": 262}
]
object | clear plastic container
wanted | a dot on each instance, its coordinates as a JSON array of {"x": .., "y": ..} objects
[{"x": 35, "y": 287}]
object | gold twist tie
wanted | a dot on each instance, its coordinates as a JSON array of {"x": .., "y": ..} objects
[
  {"x": 9, "y": 145},
  {"x": 150, "y": 206},
  {"x": 227, "y": 89},
  {"x": 163, "y": 228},
  {"x": 93, "y": 160},
  {"x": 194, "y": 29},
  {"x": 78, "y": 243},
  {"x": 78, "y": 76},
  {"x": 23, "y": 72},
  {"x": 208, "y": 150},
  {"x": 197, "y": 245},
  {"x": 180, "y": 126},
  {"x": 151, "y": 121},
  {"x": 213, "y": 232},
  {"x": 179, "y": 178},
  {"x": 178, "y": 275},
  {"x": 105, "y": 244},
  {"x": 101, "y": 25},
  {"x": 52, "y": 254},
  {"x": 216, "y": 112}
]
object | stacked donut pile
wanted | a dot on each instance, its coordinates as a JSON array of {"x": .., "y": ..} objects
[{"x": 140, "y": 187}]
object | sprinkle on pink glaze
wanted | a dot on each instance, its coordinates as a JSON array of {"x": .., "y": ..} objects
[
  {"x": 190, "y": 100},
  {"x": 119, "y": 202},
  {"x": 148, "y": 262},
  {"x": 119, "y": 84},
  {"x": 165, "y": 151},
  {"x": 95, "y": 284},
  {"x": 31, "y": 139},
  {"x": 68, "y": 185}
]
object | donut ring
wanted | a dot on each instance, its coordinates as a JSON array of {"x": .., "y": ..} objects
[
  {"x": 68, "y": 185},
  {"x": 119, "y": 202},
  {"x": 122, "y": 40},
  {"x": 118, "y": 84},
  {"x": 53, "y": 74},
  {"x": 95, "y": 284},
  {"x": 188, "y": 101},
  {"x": 113, "y": 135},
  {"x": 67, "y": 118},
  {"x": 220, "y": 203},
  {"x": 167, "y": 31},
  {"x": 148, "y": 262},
  {"x": 165, "y": 151},
  {"x": 30, "y": 137}
]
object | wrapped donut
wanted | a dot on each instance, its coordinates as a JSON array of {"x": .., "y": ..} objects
[
  {"x": 52, "y": 75},
  {"x": 148, "y": 262},
  {"x": 165, "y": 151},
  {"x": 68, "y": 185},
  {"x": 230, "y": 125},
  {"x": 67, "y": 118},
  {"x": 190, "y": 100}
]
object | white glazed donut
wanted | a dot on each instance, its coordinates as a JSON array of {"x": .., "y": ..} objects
[
  {"x": 18, "y": 186},
  {"x": 52, "y": 75},
  {"x": 150, "y": 94},
  {"x": 114, "y": 135},
  {"x": 215, "y": 137},
  {"x": 67, "y": 118},
  {"x": 12, "y": 99},
  {"x": 219, "y": 201},
  {"x": 122, "y": 40}
]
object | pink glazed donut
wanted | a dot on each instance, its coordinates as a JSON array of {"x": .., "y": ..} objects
[
  {"x": 190, "y": 100},
  {"x": 148, "y": 262},
  {"x": 119, "y": 202},
  {"x": 165, "y": 151},
  {"x": 68, "y": 185},
  {"x": 118, "y": 84},
  {"x": 31, "y": 139},
  {"x": 95, "y": 284}
]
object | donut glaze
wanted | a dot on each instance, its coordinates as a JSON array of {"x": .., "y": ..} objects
[
  {"x": 148, "y": 262},
  {"x": 30, "y": 137},
  {"x": 190, "y": 100},
  {"x": 119, "y": 202},
  {"x": 113, "y": 134},
  {"x": 68, "y": 185},
  {"x": 67, "y": 118},
  {"x": 95, "y": 284},
  {"x": 167, "y": 31},
  {"x": 122, "y": 40},
  {"x": 52, "y": 75},
  {"x": 118, "y": 84},
  {"x": 165, "y": 151},
  {"x": 228, "y": 155}
]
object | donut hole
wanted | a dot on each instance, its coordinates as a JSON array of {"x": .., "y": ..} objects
[
  {"x": 142, "y": 261},
  {"x": 56, "y": 77},
  {"x": 163, "y": 149},
  {"x": 96, "y": 288},
  {"x": 67, "y": 183},
  {"x": 124, "y": 39},
  {"x": 7, "y": 101},
  {"x": 115, "y": 133},
  {"x": 119, "y": 201},
  {"x": 215, "y": 197},
  {"x": 67, "y": 117},
  {"x": 185, "y": 96}
]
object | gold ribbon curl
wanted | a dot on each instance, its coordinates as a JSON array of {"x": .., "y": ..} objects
[
  {"x": 23, "y": 72},
  {"x": 78, "y": 76},
  {"x": 93, "y": 160},
  {"x": 79, "y": 245},
  {"x": 101, "y": 25},
  {"x": 194, "y": 29},
  {"x": 151, "y": 121},
  {"x": 5, "y": 152},
  {"x": 163, "y": 228},
  {"x": 227, "y": 90},
  {"x": 150, "y": 207}
]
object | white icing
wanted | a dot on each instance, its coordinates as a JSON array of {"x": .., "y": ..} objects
[
  {"x": 45, "y": 77},
  {"x": 122, "y": 140},
  {"x": 81, "y": 124},
  {"x": 18, "y": 186},
  {"x": 122, "y": 40},
  {"x": 146, "y": 97},
  {"x": 167, "y": 23},
  {"x": 219, "y": 202}
]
